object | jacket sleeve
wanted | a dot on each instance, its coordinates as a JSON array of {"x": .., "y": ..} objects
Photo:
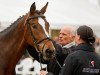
[
  {"x": 69, "y": 65},
  {"x": 62, "y": 53}
]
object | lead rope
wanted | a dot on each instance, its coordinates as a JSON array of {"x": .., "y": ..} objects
[
  {"x": 40, "y": 61},
  {"x": 58, "y": 62}
]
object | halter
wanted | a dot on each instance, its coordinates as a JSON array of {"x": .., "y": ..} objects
[{"x": 35, "y": 40}]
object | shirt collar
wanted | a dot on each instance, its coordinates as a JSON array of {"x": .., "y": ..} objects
[{"x": 69, "y": 45}]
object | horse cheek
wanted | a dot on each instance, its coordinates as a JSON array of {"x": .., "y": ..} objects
[{"x": 28, "y": 38}]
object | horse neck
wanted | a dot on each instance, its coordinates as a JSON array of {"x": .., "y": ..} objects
[{"x": 12, "y": 44}]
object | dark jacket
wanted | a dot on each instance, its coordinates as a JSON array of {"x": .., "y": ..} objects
[
  {"x": 84, "y": 61},
  {"x": 53, "y": 66}
]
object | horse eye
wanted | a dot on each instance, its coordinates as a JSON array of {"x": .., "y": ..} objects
[{"x": 34, "y": 26}]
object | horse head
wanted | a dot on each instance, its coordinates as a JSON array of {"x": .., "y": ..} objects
[{"x": 37, "y": 32}]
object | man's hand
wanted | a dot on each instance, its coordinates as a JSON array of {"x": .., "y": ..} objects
[{"x": 42, "y": 72}]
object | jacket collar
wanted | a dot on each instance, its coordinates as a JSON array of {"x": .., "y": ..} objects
[{"x": 85, "y": 47}]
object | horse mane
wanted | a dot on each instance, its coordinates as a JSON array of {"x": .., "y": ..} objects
[{"x": 15, "y": 23}]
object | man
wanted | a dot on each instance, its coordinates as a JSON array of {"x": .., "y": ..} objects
[{"x": 66, "y": 40}]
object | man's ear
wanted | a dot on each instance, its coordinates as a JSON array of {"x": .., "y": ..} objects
[{"x": 73, "y": 37}]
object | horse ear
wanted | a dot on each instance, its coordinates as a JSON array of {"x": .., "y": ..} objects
[
  {"x": 43, "y": 10},
  {"x": 33, "y": 8}
]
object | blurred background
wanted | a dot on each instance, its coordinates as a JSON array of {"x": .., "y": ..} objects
[{"x": 59, "y": 13}]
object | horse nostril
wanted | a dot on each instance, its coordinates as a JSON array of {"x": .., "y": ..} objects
[{"x": 49, "y": 52}]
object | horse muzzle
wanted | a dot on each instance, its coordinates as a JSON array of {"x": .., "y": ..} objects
[{"x": 48, "y": 54}]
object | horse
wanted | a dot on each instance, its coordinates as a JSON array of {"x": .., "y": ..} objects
[{"x": 30, "y": 29}]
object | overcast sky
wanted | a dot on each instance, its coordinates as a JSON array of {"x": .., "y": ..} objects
[{"x": 58, "y": 11}]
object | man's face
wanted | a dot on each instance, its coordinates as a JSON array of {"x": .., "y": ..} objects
[{"x": 65, "y": 37}]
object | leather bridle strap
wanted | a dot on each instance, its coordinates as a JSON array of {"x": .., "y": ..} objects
[
  {"x": 28, "y": 25},
  {"x": 34, "y": 39},
  {"x": 33, "y": 17}
]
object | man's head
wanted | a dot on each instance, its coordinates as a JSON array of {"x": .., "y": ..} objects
[{"x": 67, "y": 35}]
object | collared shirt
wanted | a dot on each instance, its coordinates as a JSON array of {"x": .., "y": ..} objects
[{"x": 69, "y": 45}]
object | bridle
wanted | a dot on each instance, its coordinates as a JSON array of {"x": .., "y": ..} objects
[
  {"x": 36, "y": 43},
  {"x": 33, "y": 37}
]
